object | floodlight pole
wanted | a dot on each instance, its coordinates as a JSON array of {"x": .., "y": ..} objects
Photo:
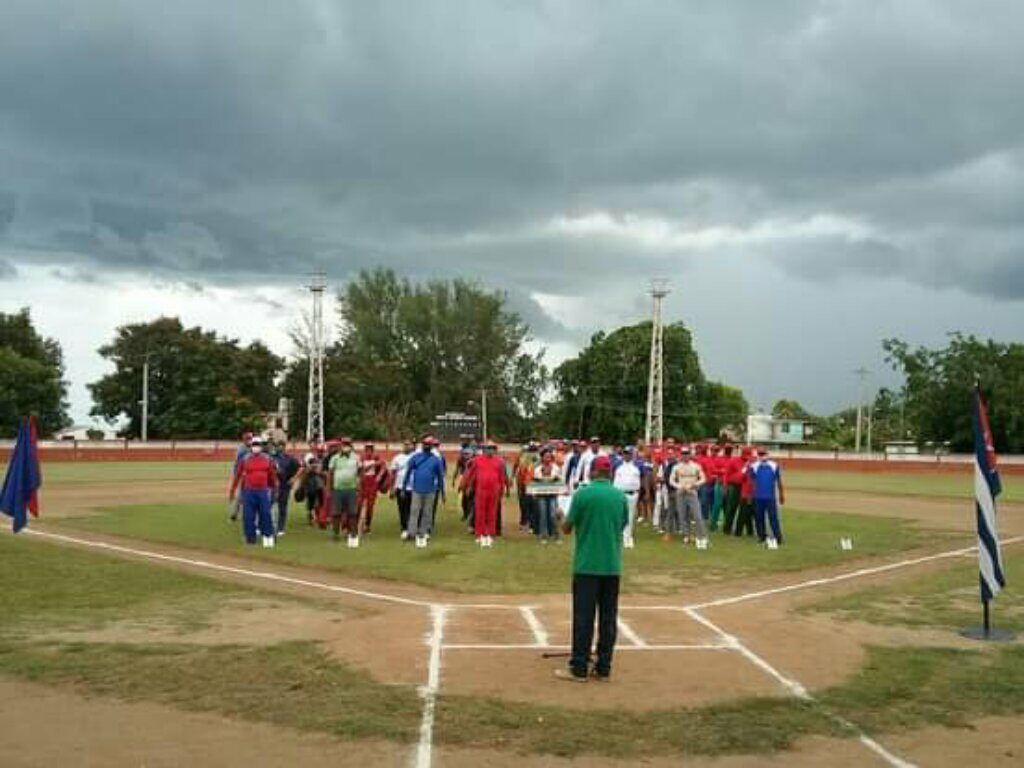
[
  {"x": 144, "y": 429},
  {"x": 315, "y": 401},
  {"x": 654, "y": 430},
  {"x": 483, "y": 413},
  {"x": 861, "y": 373}
]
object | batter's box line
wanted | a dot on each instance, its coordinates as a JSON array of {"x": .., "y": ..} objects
[{"x": 533, "y": 647}]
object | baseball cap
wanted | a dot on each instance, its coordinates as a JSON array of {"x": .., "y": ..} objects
[{"x": 601, "y": 464}]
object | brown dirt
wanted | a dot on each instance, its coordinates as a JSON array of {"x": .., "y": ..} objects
[{"x": 58, "y": 727}]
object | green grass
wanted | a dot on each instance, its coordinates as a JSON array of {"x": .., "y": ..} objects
[
  {"x": 947, "y": 599},
  {"x": 49, "y": 588},
  {"x": 72, "y": 473},
  {"x": 959, "y": 486},
  {"x": 517, "y": 564}
]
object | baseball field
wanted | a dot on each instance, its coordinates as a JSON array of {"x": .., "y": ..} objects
[{"x": 138, "y": 630}]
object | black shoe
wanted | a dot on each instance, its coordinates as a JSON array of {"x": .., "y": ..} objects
[{"x": 601, "y": 678}]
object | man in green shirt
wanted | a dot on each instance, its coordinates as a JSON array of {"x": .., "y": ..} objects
[
  {"x": 598, "y": 515},
  {"x": 342, "y": 472}
]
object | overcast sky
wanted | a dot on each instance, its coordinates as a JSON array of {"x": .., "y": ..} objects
[{"x": 813, "y": 177}]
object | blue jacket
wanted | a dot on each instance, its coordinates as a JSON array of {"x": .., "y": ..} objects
[{"x": 425, "y": 473}]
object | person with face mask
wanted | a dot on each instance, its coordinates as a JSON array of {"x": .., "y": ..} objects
[
  {"x": 342, "y": 479},
  {"x": 486, "y": 479},
  {"x": 425, "y": 479},
  {"x": 256, "y": 475}
]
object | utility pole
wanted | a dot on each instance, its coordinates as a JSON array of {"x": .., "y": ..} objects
[
  {"x": 315, "y": 405},
  {"x": 483, "y": 413},
  {"x": 144, "y": 431},
  {"x": 654, "y": 431},
  {"x": 862, "y": 373}
]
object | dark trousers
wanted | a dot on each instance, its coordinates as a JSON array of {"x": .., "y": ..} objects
[
  {"x": 731, "y": 506},
  {"x": 767, "y": 508},
  {"x": 403, "y": 500},
  {"x": 467, "y": 507},
  {"x": 590, "y": 595},
  {"x": 525, "y": 509},
  {"x": 706, "y": 494},
  {"x": 745, "y": 518},
  {"x": 282, "y": 507}
]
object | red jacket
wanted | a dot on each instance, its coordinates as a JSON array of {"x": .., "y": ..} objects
[
  {"x": 736, "y": 471},
  {"x": 256, "y": 472},
  {"x": 485, "y": 472}
]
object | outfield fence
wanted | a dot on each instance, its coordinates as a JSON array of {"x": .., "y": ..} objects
[{"x": 224, "y": 450}]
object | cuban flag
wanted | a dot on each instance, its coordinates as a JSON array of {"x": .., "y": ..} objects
[
  {"x": 986, "y": 488},
  {"x": 19, "y": 496}
]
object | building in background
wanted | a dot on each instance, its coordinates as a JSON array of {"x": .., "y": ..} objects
[{"x": 763, "y": 428}]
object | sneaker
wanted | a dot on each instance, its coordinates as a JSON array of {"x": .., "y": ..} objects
[
  {"x": 404, "y": 536},
  {"x": 568, "y": 676},
  {"x": 490, "y": 541},
  {"x": 353, "y": 542},
  {"x": 544, "y": 542},
  {"x": 479, "y": 541},
  {"x": 268, "y": 542},
  {"x": 280, "y": 534},
  {"x": 627, "y": 542},
  {"x": 421, "y": 542}
]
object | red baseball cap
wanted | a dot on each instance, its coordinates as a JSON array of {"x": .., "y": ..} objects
[{"x": 601, "y": 464}]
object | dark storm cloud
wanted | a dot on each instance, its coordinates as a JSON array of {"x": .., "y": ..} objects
[{"x": 208, "y": 141}]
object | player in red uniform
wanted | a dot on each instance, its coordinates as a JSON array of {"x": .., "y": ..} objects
[
  {"x": 373, "y": 475},
  {"x": 734, "y": 468},
  {"x": 257, "y": 476},
  {"x": 486, "y": 478}
]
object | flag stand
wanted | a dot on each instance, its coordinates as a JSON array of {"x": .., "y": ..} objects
[{"x": 985, "y": 633}]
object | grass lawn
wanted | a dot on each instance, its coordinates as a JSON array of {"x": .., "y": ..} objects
[
  {"x": 947, "y": 600},
  {"x": 897, "y": 484},
  {"x": 70, "y": 473},
  {"x": 517, "y": 564},
  {"x": 51, "y": 587}
]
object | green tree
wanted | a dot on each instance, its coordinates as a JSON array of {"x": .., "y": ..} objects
[
  {"x": 938, "y": 402},
  {"x": 603, "y": 390},
  {"x": 200, "y": 385},
  {"x": 790, "y": 409},
  {"x": 408, "y": 351},
  {"x": 31, "y": 377}
]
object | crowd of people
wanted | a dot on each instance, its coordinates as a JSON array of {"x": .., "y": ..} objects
[{"x": 682, "y": 490}]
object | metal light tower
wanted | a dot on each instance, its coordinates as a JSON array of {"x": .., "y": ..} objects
[
  {"x": 862, "y": 373},
  {"x": 315, "y": 407},
  {"x": 655, "y": 430}
]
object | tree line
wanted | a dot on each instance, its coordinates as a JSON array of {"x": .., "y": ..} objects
[{"x": 404, "y": 352}]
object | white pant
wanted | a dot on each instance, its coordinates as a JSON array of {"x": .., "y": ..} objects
[
  {"x": 660, "y": 506},
  {"x": 631, "y": 521}
]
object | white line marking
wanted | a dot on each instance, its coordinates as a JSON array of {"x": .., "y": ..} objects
[
  {"x": 530, "y": 647},
  {"x": 797, "y": 690},
  {"x": 268, "y": 575},
  {"x": 435, "y": 640},
  {"x": 630, "y": 635},
  {"x": 840, "y": 577},
  {"x": 540, "y": 635},
  {"x": 790, "y": 685}
]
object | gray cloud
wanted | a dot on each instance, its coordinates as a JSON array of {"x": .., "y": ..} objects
[{"x": 555, "y": 149}]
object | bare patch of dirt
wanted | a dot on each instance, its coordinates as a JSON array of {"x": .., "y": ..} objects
[{"x": 60, "y": 727}]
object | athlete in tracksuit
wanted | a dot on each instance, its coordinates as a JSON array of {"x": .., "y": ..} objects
[
  {"x": 257, "y": 475},
  {"x": 373, "y": 476},
  {"x": 486, "y": 479}
]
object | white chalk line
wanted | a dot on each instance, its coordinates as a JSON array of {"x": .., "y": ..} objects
[
  {"x": 532, "y": 647},
  {"x": 540, "y": 635},
  {"x": 630, "y": 634},
  {"x": 267, "y": 575},
  {"x": 429, "y": 692},
  {"x": 859, "y": 573},
  {"x": 797, "y": 690}
]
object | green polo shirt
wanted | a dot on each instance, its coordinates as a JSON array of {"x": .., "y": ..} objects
[
  {"x": 598, "y": 515},
  {"x": 345, "y": 470}
]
